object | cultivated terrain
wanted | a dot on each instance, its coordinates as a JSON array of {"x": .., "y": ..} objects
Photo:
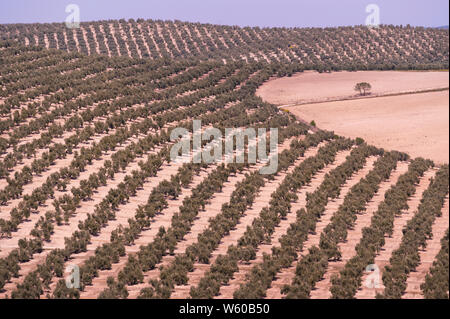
[{"x": 86, "y": 180}]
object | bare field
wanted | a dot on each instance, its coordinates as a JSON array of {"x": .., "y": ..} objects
[
  {"x": 415, "y": 123},
  {"x": 311, "y": 86}
]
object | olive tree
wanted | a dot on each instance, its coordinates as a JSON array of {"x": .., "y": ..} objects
[{"x": 363, "y": 88}]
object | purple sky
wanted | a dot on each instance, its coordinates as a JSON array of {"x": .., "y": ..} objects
[{"x": 289, "y": 13}]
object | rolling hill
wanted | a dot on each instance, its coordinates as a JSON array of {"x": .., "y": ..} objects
[
  {"x": 386, "y": 47},
  {"x": 86, "y": 180}
]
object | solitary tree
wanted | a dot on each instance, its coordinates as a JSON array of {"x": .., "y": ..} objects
[{"x": 363, "y": 88}]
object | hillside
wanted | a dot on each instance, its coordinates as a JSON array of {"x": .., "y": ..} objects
[
  {"x": 351, "y": 48},
  {"x": 86, "y": 177}
]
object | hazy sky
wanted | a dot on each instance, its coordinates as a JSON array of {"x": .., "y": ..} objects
[{"x": 289, "y": 13}]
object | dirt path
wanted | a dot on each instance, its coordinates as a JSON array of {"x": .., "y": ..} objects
[
  {"x": 428, "y": 255},
  {"x": 147, "y": 236},
  {"x": 347, "y": 248},
  {"x": 393, "y": 242},
  {"x": 286, "y": 275},
  {"x": 65, "y": 230},
  {"x": 261, "y": 200},
  {"x": 244, "y": 268},
  {"x": 331, "y": 207},
  {"x": 166, "y": 220}
]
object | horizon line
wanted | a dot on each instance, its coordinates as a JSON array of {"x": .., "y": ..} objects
[{"x": 237, "y": 25}]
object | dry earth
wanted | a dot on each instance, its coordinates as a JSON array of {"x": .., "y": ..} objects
[
  {"x": 311, "y": 86},
  {"x": 414, "y": 123}
]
